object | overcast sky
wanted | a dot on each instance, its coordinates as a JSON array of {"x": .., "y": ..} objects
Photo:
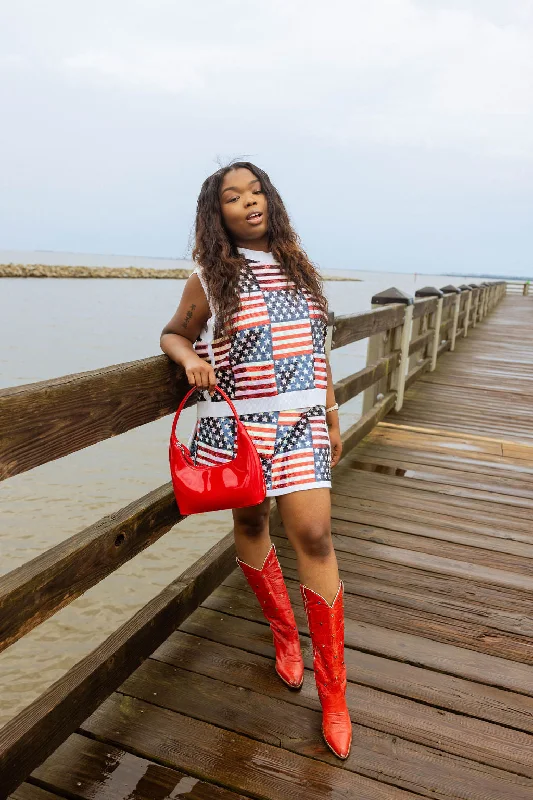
[{"x": 399, "y": 133}]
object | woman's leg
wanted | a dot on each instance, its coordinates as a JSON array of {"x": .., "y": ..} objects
[
  {"x": 258, "y": 560},
  {"x": 306, "y": 517},
  {"x": 252, "y": 535}
]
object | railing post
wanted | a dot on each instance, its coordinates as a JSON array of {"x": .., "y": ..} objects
[
  {"x": 397, "y": 381},
  {"x": 475, "y": 288},
  {"x": 432, "y": 291},
  {"x": 329, "y": 334},
  {"x": 448, "y": 289},
  {"x": 465, "y": 288}
]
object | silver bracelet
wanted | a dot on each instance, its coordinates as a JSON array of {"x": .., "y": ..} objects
[{"x": 333, "y": 408}]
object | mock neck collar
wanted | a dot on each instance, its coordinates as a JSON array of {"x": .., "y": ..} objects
[{"x": 257, "y": 255}]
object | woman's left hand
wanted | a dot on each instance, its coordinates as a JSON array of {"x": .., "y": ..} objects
[{"x": 336, "y": 444}]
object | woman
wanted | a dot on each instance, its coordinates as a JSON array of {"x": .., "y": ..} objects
[{"x": 252, "y": 319}]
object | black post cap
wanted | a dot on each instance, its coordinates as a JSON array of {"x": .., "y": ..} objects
[
  {"x": 465, "y": 288},
  {"x": 474, "y": 285},
  {"x": 392, "y": 295},
  {"x": 429, "y": 291},
  {"x": 448, "y": 289}
]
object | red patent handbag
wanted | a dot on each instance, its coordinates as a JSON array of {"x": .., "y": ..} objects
[{"x": 233, "y": 484}]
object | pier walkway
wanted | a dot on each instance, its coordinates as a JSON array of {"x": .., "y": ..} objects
[{"x": 432, "y": 526}]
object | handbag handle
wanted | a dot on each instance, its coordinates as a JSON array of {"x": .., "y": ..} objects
[{"x": 184, "y": 400}]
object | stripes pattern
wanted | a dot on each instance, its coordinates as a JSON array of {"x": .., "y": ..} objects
[{"x": 293, "y": 445}]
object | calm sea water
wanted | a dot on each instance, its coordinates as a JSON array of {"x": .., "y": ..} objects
[{"x": 56, "y": 327}]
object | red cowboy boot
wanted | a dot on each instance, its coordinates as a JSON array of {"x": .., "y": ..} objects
[
  {"x": 326, "y": 625},
  {"x": 270, "y": 590}
]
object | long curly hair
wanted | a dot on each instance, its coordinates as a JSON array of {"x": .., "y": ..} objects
[{"x": 220, "y": 260}]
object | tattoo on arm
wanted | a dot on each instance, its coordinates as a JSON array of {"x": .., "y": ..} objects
[{"x": 188, "y": 315}]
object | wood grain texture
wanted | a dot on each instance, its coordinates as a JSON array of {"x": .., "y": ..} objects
[
  {"x": 44, "y": 421},
  {"x": 32, "y": 593},
  {"x": 354, "y": 327}
]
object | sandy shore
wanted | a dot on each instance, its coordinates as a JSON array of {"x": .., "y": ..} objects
[{"x": 45, "y": 271}]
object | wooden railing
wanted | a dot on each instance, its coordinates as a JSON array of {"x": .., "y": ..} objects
[
  {"x": 519, "y": 287},
  {"x": 49, "y": 420}
]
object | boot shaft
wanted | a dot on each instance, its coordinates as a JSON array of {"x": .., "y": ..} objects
[{"x": 326, "y": 626}]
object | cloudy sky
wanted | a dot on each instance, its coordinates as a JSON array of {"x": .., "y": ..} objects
[{"x": 399, "y": 132}]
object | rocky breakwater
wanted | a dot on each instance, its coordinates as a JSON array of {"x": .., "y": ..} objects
[{"x": 46, "y": 271}]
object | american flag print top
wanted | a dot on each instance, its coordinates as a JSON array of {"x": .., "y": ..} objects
[{"x": 273, "y": 367}]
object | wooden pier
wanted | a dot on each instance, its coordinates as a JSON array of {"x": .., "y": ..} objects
[{"x": 431, "y": 519}]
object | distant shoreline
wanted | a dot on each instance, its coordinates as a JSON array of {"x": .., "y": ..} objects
[{"x": 48, "y": 271}]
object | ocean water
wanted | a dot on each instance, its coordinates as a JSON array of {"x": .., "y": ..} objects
[{"x": 50, "y": 328}]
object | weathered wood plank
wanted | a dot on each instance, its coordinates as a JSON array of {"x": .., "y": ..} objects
[
  {"x": 44, "y": 421},
  {"x": 354, "y": 327},
  {"x": 32, "y": 593},
  {"x": 84, "y": 768},
  {"x": 388, "y": 640},
  {"x": 359, "y": 429},
  {"x": 32, "y": 735},
  {"x": 351, "y": 386},
  {"x": 384, "y": 672},
  {"x": 243, "y": 709},
  {"x": 227, "y": 758}
]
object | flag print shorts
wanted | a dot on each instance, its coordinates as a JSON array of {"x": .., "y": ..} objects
[{"x": 294, "y": 446}]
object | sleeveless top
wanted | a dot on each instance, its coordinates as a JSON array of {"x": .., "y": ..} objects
[{"x": 275, "y": 359}]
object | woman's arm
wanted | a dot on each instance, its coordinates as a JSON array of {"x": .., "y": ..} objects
[
  {"x": 332, "y": 419},
  {"x": 179, "y": 335}
]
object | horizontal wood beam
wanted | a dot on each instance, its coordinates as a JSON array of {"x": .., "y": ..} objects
[
  {"x": 39, "y": 729},
  {"x": 425, "y": 306},
  {"x": 44, "y": 421},
  {"x": 354, "y": 327},
  {"x": 417, "y": 371},
  {"x": 368, "y": 421},
  {"x": 35, "y": 591},
  {"x": 351, "y": 386},
  {"x": 421, "y": 341}
]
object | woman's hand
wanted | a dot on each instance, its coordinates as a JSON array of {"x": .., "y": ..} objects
[
  {"x": 336, "y": 443},
  {"x": 200, "y": 373}
]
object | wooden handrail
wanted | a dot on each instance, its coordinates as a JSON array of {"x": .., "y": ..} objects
[
  {"x": 51, "y": 419},
  {"x": 354, "y": 327}
]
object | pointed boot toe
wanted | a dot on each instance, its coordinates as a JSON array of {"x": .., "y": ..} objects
[
  {"x": 291, "y": 673},
  {"x": 337, "y": 732}
]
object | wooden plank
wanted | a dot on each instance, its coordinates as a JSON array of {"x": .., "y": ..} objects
[
  {"x": 359, "y": 429},
  {"x": 398, "y": 716},
  {"x": 85, "y": 768},
  {"x": 425, "y": 500},
  {"x": 351, "y": 386},
  {"x": 388, "y": 673},
  {"x": 354, "y": 327},
  {"x": 389, "y": 641},
  {"x": 510, "y": 609},
  {"x": 32, "y": 735},
  {"x": 425, "y": 306},
  {"x": 424, "y": 473},
  {"x": 28, "y": 792},
  {"x": 385, "y": 584},
  {"x": 411, "y": 618},
  {"x": 243, "y": 709},
  {"x": 33, "y": 592},
  {"x": 425, "y": 524},
  {"x": 420, "y": 341},
  {"x": 228, "y": 758},
  {"x": 514, "y": 506},
  {"x": 44, "y": 421}
]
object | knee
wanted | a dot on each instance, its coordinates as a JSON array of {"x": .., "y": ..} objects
[
  {"x": 315, "y": 541},
  {"x": 251, "y": 523}
]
